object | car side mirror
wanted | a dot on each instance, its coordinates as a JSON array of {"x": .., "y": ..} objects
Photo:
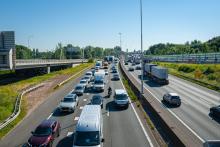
[{"x": 102, "y": 140}]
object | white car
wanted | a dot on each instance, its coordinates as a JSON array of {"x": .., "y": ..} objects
[
  {"x": 89, "y": 74},
  {"x": 84, "y": 82},
  {"x": 88, "y": 78},
  {"x": 69, "y": 103},
  {"x": 79, "y": 89}
]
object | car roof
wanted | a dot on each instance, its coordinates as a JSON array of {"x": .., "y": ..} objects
[
  {"x": 83, "y": 80},
  {"x": 89, "y": 118},
  {"x": 120, "y": 91},
  {"x": 47, "y": 123},
  {"x": 173, "y": 94},
  {"x": 79, "y": 85}
]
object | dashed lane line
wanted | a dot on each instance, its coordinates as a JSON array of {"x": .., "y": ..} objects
[{"x": 76, "y": 118}]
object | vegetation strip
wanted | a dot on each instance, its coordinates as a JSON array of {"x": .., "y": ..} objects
[
  {"x": 9, "y": 94},
  {"x": 207, "y": 75}
]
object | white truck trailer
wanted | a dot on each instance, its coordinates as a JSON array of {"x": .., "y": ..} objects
[{"x": 159, "y": 74}]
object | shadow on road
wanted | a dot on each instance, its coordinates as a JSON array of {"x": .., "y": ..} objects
[
  {"x": 214, "y": 118},
  {"x": 165, "y": 104},
  {"x": 66, "y": 141},
  {"x": 58, "y": 113},
  {"x": 112, "y": 107}
]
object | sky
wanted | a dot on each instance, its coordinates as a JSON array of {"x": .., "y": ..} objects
[{"x": 98, "y": 22}]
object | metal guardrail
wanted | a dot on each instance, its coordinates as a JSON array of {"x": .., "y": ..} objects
[
  {"x": 188, "y": 58},
  {"x": 46, "y": 61},
  {"x": 17, "y": 107}
]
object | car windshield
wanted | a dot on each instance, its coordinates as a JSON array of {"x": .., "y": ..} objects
[
  {"x": 86, "y": 77},
  {"x": 97, "y": 100},
  {"x": 88, "y": 74},
  {"x": 69, "y": 100},
  {"x": 175, "y": 97},
  {"x": 42, "y": 131},
  {"x": 121, "y": 97},
  {"x": 79, "y": 88},
  {"x": 116, "y": 75},
  {"x": 87, "y": 138},
  {"x": 83, "y": 82},
  {"x": 98, "y": 82}
]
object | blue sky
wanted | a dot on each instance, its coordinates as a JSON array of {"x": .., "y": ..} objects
[{"x": 98, "y": 22}]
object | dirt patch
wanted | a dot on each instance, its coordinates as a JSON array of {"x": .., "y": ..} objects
[{"x": 36, "y": 97}]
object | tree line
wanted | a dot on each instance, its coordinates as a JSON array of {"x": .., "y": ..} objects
[
  {"x": 196, "y": 46},
  {"x": 66, "y": 52}
]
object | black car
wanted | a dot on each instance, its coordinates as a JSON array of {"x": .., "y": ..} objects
[
  {"x": 114, "y": 71},
  {"x": 138, "y": 67},
  {"x": 215, "y": 111},
  {"x": 97, "y": 100}
]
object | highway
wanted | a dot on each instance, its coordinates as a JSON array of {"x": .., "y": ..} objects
[
  {"x": 121, "y": 127},
  {"x": 194, "y": 110}
]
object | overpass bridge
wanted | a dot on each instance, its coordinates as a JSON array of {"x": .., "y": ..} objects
[{"x": 21, "y": 64}]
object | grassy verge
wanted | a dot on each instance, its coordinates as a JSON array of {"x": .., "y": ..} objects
[
  {"x": 2, "y": 72},
  {"x": 8, "y": 94},
  {"x": 207, "y": 75}
]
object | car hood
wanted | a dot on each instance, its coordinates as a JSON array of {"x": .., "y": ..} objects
[
  {"x": 38, "y": 140},
  {"x": 65, "y": 104}
]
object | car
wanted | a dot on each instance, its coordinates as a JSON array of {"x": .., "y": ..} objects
[
  {"x": 114, "y": 71},
  {"x": 138, "y": 67},
  {"x": 172, "y": 98},
  {"x": 88, "y": 78},
  {"x": 84, "y": 82},
  {"x": 89, "y": 74},
  {"x": 45, "y": 133},
  {"x": 131, "y": 68},
  {"x": 97, "y": 100},
  {"x": 106, "y": 72},
  {"x": 79, "y": 89},
  {"x": 113, "y": 67},
  {"x": 215, "y": 111},
  {"x": 116, "y": 76},
  {"x": 133, "y": 64},
  {"x": 121, "y": 98},
  {"x": 69, "y": 103}
]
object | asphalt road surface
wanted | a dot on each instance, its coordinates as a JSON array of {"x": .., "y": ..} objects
[
  {"x": 121, "y": 126},
  {"x": 194, "y": 110}
]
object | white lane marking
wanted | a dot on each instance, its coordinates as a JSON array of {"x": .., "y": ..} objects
[
  {"x": 76, "y": 118},
  {"x": 50, "y": 116},
  {"x": 172, "y": 112},
  {"x": 142, "y": 126},
  {"x": 81, "y": 107},
  {"x": 87, "y": 93},
  {"x": 69, "y": 133},
  {"x": 108, "y": 112},
  {"x": 84, "y": 100}
]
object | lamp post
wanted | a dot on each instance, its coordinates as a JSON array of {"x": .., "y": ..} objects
[{"x": 142, "y": 63}]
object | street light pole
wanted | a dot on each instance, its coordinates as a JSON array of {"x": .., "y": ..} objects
[
  {"x": 142, "y": 63},
  {"x": 120, "y": 39}
]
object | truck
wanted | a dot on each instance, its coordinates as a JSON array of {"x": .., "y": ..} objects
[
  {"x": 98, "y": 64},
  {"x": 148, "y": 68},
  {"x": 105, "y": 65},
  {"x": 160, "y": 74},
  {"x": 99, "y": 81}
]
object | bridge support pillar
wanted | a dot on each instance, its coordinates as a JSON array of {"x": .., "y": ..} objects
[{"x": 48, "y": 68}]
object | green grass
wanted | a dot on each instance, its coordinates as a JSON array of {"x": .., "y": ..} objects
[
  {"x": 2, "y": 72},
  {"x": 129, "y": 90},
  {"x": 207, "y": 75},
  {"x": 8, "y": 94}
]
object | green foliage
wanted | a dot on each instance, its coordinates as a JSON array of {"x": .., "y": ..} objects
[
  {"x": 209, "y": 70},
  {"x": 195, "y": 46},
  {"x": 91, "y": 60},
  {"x": 22, "y": 52},
  {"x": 186, "y": 69},
  {"x": 212, "y": 77}
]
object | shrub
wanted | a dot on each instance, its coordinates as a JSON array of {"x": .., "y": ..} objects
[
  {"x": 186, "y": 69},
  {"x": 209, "y": 70},
  {"x": 211, "y": 77},
  {"x": 90, "y": 60}
]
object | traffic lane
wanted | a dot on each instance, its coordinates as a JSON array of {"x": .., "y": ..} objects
[
  {"x": 192, "y": 113},
  {"x": 69, "y": 122},
  {"x": 124, "y": 129},
  {"x": 22, "y": 131}
]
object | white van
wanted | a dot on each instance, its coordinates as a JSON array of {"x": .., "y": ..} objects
[
  {"x": 89, "y": 129},
  {"x": 121, "y": 98}
]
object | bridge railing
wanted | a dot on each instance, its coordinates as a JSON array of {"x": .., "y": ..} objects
[{"x": 46, "y": 61}]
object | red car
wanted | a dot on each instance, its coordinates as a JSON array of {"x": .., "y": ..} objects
[{"x": 45, "y": 133}]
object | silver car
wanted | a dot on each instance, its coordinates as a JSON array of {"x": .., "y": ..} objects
[
  {"x": 79, "y": 89},
  {"x": 172, "y": 98},
  {"x": 69, "y": 103}
]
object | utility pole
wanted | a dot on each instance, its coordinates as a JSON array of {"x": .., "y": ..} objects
[{"x": 142, "y": 63}]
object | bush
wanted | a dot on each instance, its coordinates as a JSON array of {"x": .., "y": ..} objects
[
  {"x": 90, "y": 60},
  {"x": 211, "y": 77},
  {"x": 186, "y": 69},
  {"x": 209, "y": 70}
]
